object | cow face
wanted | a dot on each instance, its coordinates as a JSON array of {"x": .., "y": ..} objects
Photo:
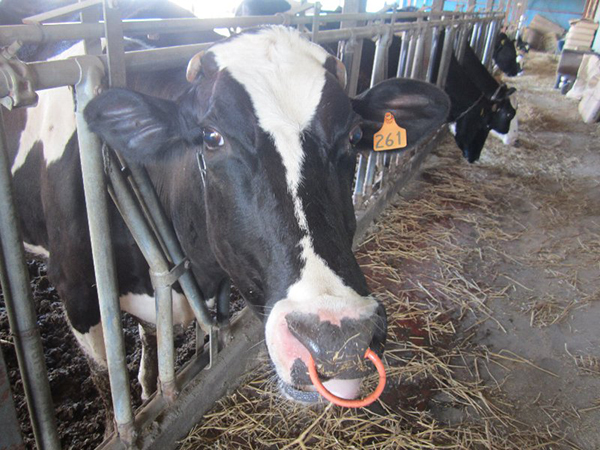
[
  {"x": 502, "y": 110},
  {"x": 268, "y": 123},
  {"x": 472, "y": 128}
]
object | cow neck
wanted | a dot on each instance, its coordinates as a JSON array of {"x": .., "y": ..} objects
[{"x": 464, "y": 113}]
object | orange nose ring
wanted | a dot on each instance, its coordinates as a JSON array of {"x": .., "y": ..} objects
[{"x": 314, "y": 377}]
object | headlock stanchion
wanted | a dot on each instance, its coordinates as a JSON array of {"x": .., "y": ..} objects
[{"x": 182, "y": 398}]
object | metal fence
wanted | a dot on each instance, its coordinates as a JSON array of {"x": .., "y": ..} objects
[{"x": 378, "y": 176}]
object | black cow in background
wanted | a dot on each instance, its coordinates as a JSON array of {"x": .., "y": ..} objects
[
  {"x": 505, "y": 55},
  {"x": 475, "y": 108},
  {"x": 471, "y": 111},
  {"x": 494, "y": 91}
]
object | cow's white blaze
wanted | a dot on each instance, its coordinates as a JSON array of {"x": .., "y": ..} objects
[
  {"x": 284, "y": 76},
  {"x": 511, "y": 137},
  {"x": 51, "y": 121}
]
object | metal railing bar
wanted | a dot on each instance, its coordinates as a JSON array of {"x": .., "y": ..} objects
[
  {"x": 21, "y": 312},
  {"x": 115, "y": 46},
  {"x": 410, "y": 55},
  {"x": 10, "y": 431},
  {"x": 92, "y": 168},
  {"x": 489, "y": 44},
  {"x": 419, "y": 56},
  {"x": 403, "y": 54},
  {"x": 160, "y": 271},
  {"x": 146, "y": 193},
  {"x": 446, "y": 56},
  {"x": 62, "y": 11},
  {"x": 76, "y": 31}
]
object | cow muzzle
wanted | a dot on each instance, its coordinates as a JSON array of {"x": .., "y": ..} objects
[{"x": 337, "y": 341}]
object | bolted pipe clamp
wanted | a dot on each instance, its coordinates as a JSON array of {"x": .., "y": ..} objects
[
  {"x": 17, "y": 79},
  {"x": 170, "y": 277}
]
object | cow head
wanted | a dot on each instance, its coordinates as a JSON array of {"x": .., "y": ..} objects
[
  {"x": 472, "y": 128},
  {"x": 276, "y": 137},
  {"x": 502, "y": 109}
]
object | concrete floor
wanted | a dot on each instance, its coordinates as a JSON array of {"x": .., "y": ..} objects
[{"x": 551, "y": 270}]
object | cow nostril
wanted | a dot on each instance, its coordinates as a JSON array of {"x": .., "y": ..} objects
[{"x": 379, "y": 330}]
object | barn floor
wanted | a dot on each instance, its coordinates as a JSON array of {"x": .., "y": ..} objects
[{"x": 490, "y": 273}]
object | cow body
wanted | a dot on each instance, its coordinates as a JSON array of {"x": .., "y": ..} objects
[
  {"x": 267, "y": 114},
  {"x": 476, "y": 108},
  {"x": 499, "y": 94},
  {"x": 505, "y": 55}
]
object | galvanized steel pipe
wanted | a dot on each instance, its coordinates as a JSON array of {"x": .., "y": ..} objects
[
  {"x": 159, "y": 273},
  {"x": 446, "y": 56},
  {"x": 196, "y": 299},
  {"x": 418, "y": 59},
  {"x": 10, "y": 431},
  {"x": 21, "y": 312},
  {"x": 92, "y": 168}
]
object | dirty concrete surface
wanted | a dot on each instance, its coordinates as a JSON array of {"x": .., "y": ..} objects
[{"x": 552, "y": 308}]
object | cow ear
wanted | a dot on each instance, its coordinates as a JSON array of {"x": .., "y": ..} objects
[
  {"x": 419, "y": 107},
  {"x": 139, "y": 126}
]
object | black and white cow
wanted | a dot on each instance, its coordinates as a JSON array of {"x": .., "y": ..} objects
[
  {"x": 473, "y": 113},
  {"x": 268, "y": 113},
  {"x": 505, "y": 55},
  {"x": 503, "y": 123}
]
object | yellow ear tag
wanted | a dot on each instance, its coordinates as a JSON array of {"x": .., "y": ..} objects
[{"x": 390, "y": 136}]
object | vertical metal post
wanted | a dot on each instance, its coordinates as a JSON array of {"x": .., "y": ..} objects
[
  {"x": 418, "y": 61},
  {"x": 410, "y": 54},
  {"x": 378, "y": 73},
  {"x": 143, "y": 187},
  {"x": 21, "y": 312},
  {"x": 489, "y": 44},
  {"x": 370, "y": 174},
  {"x": 10, "y": 431},
  {"x": 160, "y": 273},
  {"x": 315, "y": 23},
  {"x": 165, "y": 337},
  {"x": 115, "y": 51},
  {"x": 446, "y": 56},
  {"x": 359, "y": 181},
  {"x": 483, "y": 32},
  {"x": 351, "y": 50},
  {"x": 462, "y": 42},
  {"x": 435, "y": 42},
  {"x": 403, "y": 54},
  {"x": 94, "y": 184},
  {"x": 91, "y": 15},
  {"x": 474, "y": 33}
]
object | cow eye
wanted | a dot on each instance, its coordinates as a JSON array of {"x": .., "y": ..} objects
[
  {"x": 212, "y": 139},
  {"x": 355, "y": 135}
]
